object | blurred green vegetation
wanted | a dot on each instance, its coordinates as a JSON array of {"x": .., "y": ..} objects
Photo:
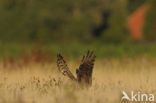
[
  {"x": 75, "y": 50},
  {"x": 149, "y": 28},
  {"x": 72, "y": 27},
  {"x": 61, "y": 21}
]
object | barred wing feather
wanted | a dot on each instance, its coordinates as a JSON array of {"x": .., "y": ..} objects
[
  {"x": 62, "y": 66},
  {"x": 84, "y": 73}
]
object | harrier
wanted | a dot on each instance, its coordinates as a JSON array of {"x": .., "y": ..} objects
[{"x": 84, "y": 72}]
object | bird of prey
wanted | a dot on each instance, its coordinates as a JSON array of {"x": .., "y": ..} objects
[{"x": 84, "y": 72}]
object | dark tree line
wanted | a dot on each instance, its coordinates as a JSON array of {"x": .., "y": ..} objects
[{"x": 78, "y": 20}]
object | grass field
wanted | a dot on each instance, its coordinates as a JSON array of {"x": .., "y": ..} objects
[
  {"x": 38, "y": 82},
  {"x": 75, "y": 50}
]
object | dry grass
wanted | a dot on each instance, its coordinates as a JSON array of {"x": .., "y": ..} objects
[{"x": 38, "y": 83}]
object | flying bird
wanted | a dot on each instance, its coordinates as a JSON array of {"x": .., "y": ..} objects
[{"x": 84, "y": 72}]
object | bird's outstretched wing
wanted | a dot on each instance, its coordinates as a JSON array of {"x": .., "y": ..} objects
[
  {"x": 62, "y": 66},
  {"x": 84, "y": 73}
]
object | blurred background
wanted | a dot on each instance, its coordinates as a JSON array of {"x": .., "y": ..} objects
[{"x": 113, "y": 28}]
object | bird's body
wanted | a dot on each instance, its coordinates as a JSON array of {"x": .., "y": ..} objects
[{"x": 84, "y": 72}]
